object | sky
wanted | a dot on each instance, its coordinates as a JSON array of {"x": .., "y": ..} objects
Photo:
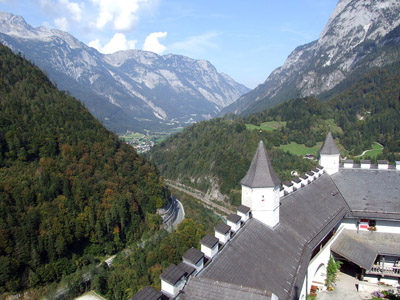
[{"x": 245, "y": 39}]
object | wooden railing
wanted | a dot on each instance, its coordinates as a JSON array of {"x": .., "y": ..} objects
[{"x": 386, "y": 270}]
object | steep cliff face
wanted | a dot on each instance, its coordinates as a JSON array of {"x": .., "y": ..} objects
[
  {"x": 359, "y": 36},
  {"x": 127, "y": 90}
]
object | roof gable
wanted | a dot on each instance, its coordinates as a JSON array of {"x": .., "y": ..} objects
[
  {"x": 329, "y": 146},
  {"x": 261, "y": 173}
]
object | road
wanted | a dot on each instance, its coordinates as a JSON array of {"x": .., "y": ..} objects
[
  {"x": 199, "y": 196},
  {"x": 180, "y": 215}
]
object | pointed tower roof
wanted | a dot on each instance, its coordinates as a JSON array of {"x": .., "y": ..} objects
[
  {"x": 260, "y": 174},
  {"x": 329, "y": 146}
]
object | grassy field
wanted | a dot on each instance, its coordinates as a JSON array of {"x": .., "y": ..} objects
[
  {"x": 268, "y": 126},
  {"x": 131, "y": 135},
  {"x": 301, "y": 149},
  {"x": 374, "y": 152}
]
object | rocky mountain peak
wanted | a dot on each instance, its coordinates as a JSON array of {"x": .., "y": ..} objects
[
  {"x": 348, "y": 44},
  {"x": 127, "y": 90}
]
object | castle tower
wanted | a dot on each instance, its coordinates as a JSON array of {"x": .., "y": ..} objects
[
  {"x": 260, "y": 188},
  {"x": 329, "y": 155}
]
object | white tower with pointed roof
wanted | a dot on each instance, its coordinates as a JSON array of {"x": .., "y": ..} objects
[
  {"x": 260, "y": 188},
  {"x": 329, "y": 155}
]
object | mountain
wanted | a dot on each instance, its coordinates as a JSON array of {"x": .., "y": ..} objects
[
  {"x": 128, "y": 90},
  {"x": 214, "y": 155},
  {"x": 70, "y": 191},
  {"x": 359, "y": 36}
]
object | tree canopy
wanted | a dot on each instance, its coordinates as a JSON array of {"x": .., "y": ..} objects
[{"x": 69, "y": 189}]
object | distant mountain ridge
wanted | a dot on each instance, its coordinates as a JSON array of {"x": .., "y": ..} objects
[
  {"x": 359, "y": 36},
  {"x": 127, "y": 90}
]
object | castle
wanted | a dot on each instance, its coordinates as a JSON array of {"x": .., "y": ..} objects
[{"x": 278, "y": 244}]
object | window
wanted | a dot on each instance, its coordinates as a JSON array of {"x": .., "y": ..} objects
[{"x": 371, "y": 223}]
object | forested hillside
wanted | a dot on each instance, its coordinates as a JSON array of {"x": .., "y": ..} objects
[
  {"x": 69, "y": 189},
  {"x": 217, "y": 154},
  {"x": 366, "y": 112}
]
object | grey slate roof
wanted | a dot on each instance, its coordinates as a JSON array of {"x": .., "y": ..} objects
[
  {"x": 234, "y": 218},
  {"x": 276, "y": 259},
  {"x": 203, "y": 288},
  {"x": 193, "y": 255},
  {"x": 288, "y": 183},
  {"x": 370, "y": 193},
  {"x": 348, "y": 161},
  {"x": 147, "y": 293},
  {"x": 186, "y": 268},
  {"x": 363, "y": 247},
  {"x": 209, "y": 241},
  {"x": 222, "y": 228},
  {"x": 260, "y": 174},
  {"x": 354, "y": 250},
  {"x": 172, "y": 274},
  {"x": 329, "y": 146},
  {"x": 243, "y": 209}
]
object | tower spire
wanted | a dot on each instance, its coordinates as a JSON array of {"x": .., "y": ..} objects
[
  {"x": 260, "y": 188},
  {"x": 329, "y": 155},
  {"x": 261, "y": 173}
]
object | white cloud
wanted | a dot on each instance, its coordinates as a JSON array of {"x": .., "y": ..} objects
[
  {"x": 117, "y": 43},
  {"x": 95, "y": 44},
  {"x": 152, "y": 43},
  {"x": 63, "y": 11},
  {"x": 122, "y": 14},
  {"x": 61, "y": 23},
  {"x": 73, "y": 8}
]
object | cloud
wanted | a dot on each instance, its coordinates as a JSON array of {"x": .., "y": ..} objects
[
  {"x": 152, "y": 43},
  {"x": 196, "y": 44},
  {"x": 117, "y": 43},
  {"x": 121, "y": 14},
  {"x": 63, "y": 11},
  {"x": 61, "y": 23},
  {"x": 73, "y": 8}
]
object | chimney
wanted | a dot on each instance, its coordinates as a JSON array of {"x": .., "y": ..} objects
[
  {"x": 209, "y": 245},
  {"x": 233, "y": 220},
  {"x": 148, "y": 293},
  {"x": 223, "y": 232},
  {"x": 365, "y": 164},
  {"x": 311, "y": 176},
  {"x": 383, "y": 164},
  {"x": 172, "y": 280},
  {"x": 244, "y": 212},
  {"x": 348, "y": 164},
  {"x": 194, "y": 258}
]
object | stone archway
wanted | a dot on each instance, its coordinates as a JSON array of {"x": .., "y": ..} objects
[{"x": 319, "y": 276}]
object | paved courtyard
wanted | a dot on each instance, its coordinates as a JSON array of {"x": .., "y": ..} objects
[{"x": 345, "y": 289}]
